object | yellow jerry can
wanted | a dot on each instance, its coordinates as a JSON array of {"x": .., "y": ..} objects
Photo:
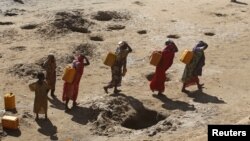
[
  {"x": 186, "y": 56},
  {"x": 69, "y": 74},
  {"x": 110, "y": 59},
  {"x": 10, "y": 122},
  {"x": 155, "y": 58},
  {"x": 9, "y": 101}
]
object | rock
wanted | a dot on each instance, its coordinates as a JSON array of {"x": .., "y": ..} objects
[
  {"x": 10, "y": 14},
  {"x": 139, "y": 3},
  {"x": 102, "y": 16},
  {"x": 29, "y": 26},
  {"x": 14, "y": 12},
  {"x": 142, "y": 31},
  {"x": 6, "y": 23},
  {"x": 110, "y": 15},
  {"x": 116, "y": 27},
  {"x": 96, "y": 38},
  {"x": 174, "y": 36},
  {"x": 19, "y": 1},
  {"x": 18, "y": 48},
  {"x": 152, "y": 133},
  {"x": 209, "y": 34}
]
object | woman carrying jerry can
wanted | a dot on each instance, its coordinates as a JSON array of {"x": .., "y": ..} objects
[
  {"x": 70, "y": 90},
  {"x": 167, "y": 57},
  {"x": 194, "y": 68},
  {"x": 119, "y": 68}
]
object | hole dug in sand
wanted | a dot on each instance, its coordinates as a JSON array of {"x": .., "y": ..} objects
[
  {"x": 122, "y": 114},
  {"x": 143, "y": 119}
]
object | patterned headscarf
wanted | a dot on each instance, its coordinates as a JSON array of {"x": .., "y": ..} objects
[{"x": 201, "y": 45}]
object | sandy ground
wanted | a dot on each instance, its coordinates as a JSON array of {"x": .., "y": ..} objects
[{"x": 100, "y": 117}]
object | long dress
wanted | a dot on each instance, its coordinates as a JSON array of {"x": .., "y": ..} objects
[
  {"x": 79, "y": 66},
  {"x": 50, "y": 77},
  {"x": 70, "y": 90},
  {"x": 41, "y": 99},
  {"x": 194, "y": 68},
  {"x": 159, "y": 78}
]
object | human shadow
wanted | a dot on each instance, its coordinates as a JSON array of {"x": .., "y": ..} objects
[
  {"x": 56, "y": 103},
  {"x": 14, "y": 111},
  {"x": 201, "y": 97},
  {"x": 170, "y": 104},
  {"x": 14, "y": 133},
  {"x": 238, "y": 2},
  {"x": 47, "y": 128},
  {"x": 83, "y": 115}
]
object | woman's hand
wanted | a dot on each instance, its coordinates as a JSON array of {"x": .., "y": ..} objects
[
  {"x": 124, "y": 71},
  {"x": 87, "y": 61}
]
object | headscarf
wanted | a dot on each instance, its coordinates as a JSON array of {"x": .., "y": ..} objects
[
  {"x": 51, "y": 57},
  {"x": 80, "y": 58},
  {"x": 170, "y": 46},
  {"x": 201, "y": 45}
]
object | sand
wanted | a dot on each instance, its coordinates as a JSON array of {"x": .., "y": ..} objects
[{"x": 29, "y": 31}]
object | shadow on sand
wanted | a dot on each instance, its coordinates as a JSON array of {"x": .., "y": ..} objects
[
  {"x": 83, "y": 115},
  {"x": 201, "y": 97},
  {"x": 170, "y": 104},
  {"x": 56, "y": 103},
  {"x": 47, "y": 128},
  {"x": 13, "y": 133}
]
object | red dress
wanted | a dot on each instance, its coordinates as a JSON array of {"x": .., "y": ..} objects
[
  {"x": 157, "y": 83},
  {"x": 70, "y": 90}
]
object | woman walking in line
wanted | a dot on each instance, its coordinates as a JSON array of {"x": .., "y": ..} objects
[
  {"x": 159, "y": 78},
  {"x": 194, "y": 68},
  {"x": 119, "y": 69}
]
